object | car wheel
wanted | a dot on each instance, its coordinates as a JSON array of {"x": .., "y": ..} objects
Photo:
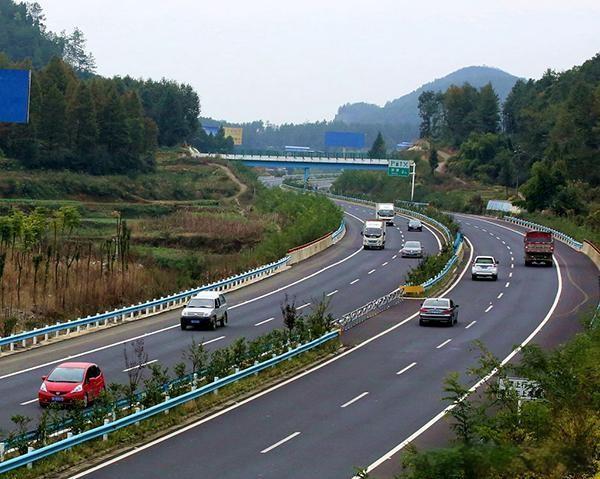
[
  {"x": 213, "y": 323},
  {"x": 421, "y": 322},
  {"x": 222, "y": 321},
  {"x": 183, "y": 326},
  {"x": 226, "y": 318},
  {"x": 86, "y": 401},
  {"x": 451, "y": 322},
  {"x": 473, "y": 277},
  {"x": 495, "y": 277},
  {"x": 527, "y": 263}
]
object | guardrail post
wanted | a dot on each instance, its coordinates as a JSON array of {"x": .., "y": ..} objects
[
  {"x": 105, "y": 435},
  {"x": 2, "y": 449},
  {"x": 46, "y": 335},
  {"x": 216, "y": 391},
  {"x": 167, "y": 397},
  {"x": 69, "y": 436},
  {"x": 24, "y": 343},
  {"x": 137, "y": 410},
  {"x": 194, "y": 381},
  {"x": 12, "y": 347},
  {"x": 34, "y": 340},
  {"x": 29, "y": 464}
]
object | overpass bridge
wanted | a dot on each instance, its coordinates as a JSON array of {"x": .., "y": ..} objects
[{"x": 333, "y": 161}]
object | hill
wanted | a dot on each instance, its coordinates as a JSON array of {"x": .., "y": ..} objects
[{"x": 404, "y": 109}]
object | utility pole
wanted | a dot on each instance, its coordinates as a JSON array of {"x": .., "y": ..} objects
[{"x": 413, "y": 174}]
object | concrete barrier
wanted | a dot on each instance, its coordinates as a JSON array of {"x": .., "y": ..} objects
[
  {"x": 310, "y": 249},
  {"x": 592, "y": 251}
]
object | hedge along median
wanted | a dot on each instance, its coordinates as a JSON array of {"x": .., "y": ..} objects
[{"x": 304, "y": 342}]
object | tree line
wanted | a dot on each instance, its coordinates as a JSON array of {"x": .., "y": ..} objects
[
  {"x": 81, "y": 121},
  {"x": 546, "y": 137}
]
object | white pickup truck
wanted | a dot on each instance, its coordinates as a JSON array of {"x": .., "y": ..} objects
[{"x": 373, "y": 234}]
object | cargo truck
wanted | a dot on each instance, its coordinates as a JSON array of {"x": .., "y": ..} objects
[
  {"x": 539, "y": 248},
  {"x": 385, "y": 212},
  {"x": 374, "y": 234}
]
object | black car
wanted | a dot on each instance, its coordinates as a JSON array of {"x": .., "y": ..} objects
[{"x": 438, "y": 310}]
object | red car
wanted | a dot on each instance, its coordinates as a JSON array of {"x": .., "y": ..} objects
[{"x": 70, "y": 382}]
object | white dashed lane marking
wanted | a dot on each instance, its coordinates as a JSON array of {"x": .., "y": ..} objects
[
  {"x": 371, "y": 272},
  {"x": 277, "y": 444},
  {"x": 303, "y": 306},
  {"x": 355, "y": 281},
  {"x": 332, "y": 293},
  {"x": 489, "y": 308},
  {"x": 500, "y": 295},
  {"x": 507, "y": 284},
  {"x": 403, "y": 370},
  {"x": 264, "y": 322},
  {"x": 360, "y": 396},
  {"x": 470, "y": 324},
  {"x": 443, "y": 344}
]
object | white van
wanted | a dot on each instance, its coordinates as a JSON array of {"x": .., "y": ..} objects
[
  {"x": 373, "y": 234},
  {"x": 385, "y": 212},
  {"x": 206, "y": 308}
]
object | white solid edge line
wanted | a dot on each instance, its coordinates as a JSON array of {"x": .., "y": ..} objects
[
  {"x": 403, "y": 370},
  {"x": 360, "y": 396},
  {"x": 275, "y": 387},
  {"x": 162, "y": 330},
  {"x": 265, "y": 321},
  {"x": 355, "y": 281},
  {"x": 25, "y": 403},
  {"x": 470, "y": 324},
  {"x": 138, "y": 366},
  {"x": 277, "y": 444},
  {"x": 332, "y": 293},
  {"x": 489, "y": 308},
  {"x": 475, "y": 386},
  {"x": 443, "y": 344}
]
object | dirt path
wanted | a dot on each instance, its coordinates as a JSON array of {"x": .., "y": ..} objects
[{"x": 242, "y": 186}]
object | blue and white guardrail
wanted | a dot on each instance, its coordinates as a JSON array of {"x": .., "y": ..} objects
[
  {"x": 111, "y": 426},
  {"x": 149, "y": 308},
  {"x": 573, "y": 243}
]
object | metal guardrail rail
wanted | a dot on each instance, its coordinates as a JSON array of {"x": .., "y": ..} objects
[
  {"x": 370, "y": 309},
  {"x": 150, "y": 308},
  {"x": 572, "y": 242},
  {"x": 37, "y": 454}
]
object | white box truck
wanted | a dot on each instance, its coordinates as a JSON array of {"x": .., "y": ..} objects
[
  {"x": 373, "y": 234},
  {"x": 385, "y": 212}
]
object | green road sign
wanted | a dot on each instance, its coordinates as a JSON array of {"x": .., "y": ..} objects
[{"x": 399, "y": 168}]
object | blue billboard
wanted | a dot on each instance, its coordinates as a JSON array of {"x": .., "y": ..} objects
[
  {"x": 211, "y": 130},
  {"x": 344, "y": 139},
  {"x": 14, "y": 95}
]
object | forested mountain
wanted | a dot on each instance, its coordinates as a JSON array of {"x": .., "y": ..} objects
[
  {"x": 405, "y": 109},
  {"x": 79, "y": 120}
]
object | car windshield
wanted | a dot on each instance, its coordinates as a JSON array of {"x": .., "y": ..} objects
[
  {"x": 201, "y": 303},
  {"x": 386, "y": 213},
  {"x": 414, "y": 222},
  {"x": 436, "y": 303},
  {"x": 484, "y": 261},
  {"x": 412, "y": 245},
  {"x": 372, "y": 232},
  {"x": 66, "y": 375}
]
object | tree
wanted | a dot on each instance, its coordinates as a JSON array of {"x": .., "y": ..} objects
[
  {"x": 543, "y": 185},
  {"x": 74, "y": 53},
  {"x": 507, "y": 169},
  {"x": 433, "y": 159},
  {"x": 378, "y": 150},
  {"x": 488, "y": 110},
  {"x": 83, "y": 125}
]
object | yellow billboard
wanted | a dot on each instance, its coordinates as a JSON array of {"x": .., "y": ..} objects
[{"x": 234, "y": 133}]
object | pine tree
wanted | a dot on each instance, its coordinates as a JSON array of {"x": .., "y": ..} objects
[
  {"x": 433, "y": 159},
  {"x": 83, "y": 123},
  {"x": 378, "y": 150},
  {"x": 488, "y": 110}
]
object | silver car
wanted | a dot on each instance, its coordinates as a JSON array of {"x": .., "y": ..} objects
[
  {"x": 206, "y": 308},
  {"x": 485, "y": 267},
  {"x": 412, "y": 249},
  {"x": 415, "y": 225}
]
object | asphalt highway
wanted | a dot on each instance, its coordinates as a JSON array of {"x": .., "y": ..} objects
[
  {"x": 345, "y": 274},
  {"x": 357, "y": 408}
]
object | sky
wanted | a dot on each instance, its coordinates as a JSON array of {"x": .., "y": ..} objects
[{"x": 281, "y": 61}]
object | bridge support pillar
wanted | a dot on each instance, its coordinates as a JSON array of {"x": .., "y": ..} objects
[{"x": 306, "y": 176}]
